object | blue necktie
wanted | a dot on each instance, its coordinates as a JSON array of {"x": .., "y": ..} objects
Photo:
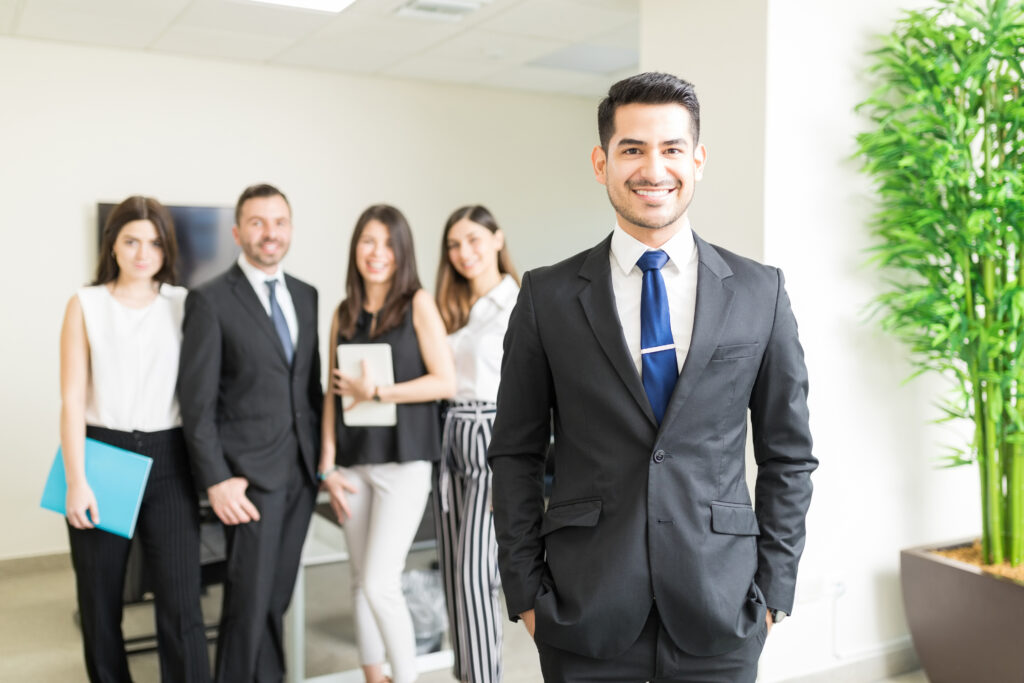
[
  {"x": 280, "y": 324},
  {"x": 657, "y": 350}
]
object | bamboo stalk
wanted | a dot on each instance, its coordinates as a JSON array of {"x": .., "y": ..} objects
[
  {"x": 1015, "y": 499},
  {"x": 992, "y": 489}
]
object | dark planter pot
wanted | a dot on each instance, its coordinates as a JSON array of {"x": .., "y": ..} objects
[{"x": 967, "y": 626}]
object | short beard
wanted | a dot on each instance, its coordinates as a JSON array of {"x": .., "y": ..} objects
[
  {"x": 255, "y": 256},
  {"x": 642, "y": 221}
]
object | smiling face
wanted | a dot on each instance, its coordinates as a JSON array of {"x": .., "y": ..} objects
[
  {"x": 375, "y": 259},
  {"x": 264, "y": 231},
  {"x": 473, "y": 250},
  {"x": 138, "y": 251},
  {"x": 650, "y": 169}
]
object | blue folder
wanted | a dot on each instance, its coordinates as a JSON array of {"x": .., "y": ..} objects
[{"x": 117, "y": 478}]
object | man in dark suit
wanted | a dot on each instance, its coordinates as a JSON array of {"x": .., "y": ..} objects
[
  {"x": 250, "y": 393},
  {"x": 646, "y": 354}
]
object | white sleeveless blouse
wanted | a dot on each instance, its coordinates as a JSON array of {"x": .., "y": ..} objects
[{"x": 133, "y": 358}]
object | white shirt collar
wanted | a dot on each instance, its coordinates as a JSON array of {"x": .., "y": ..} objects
[
  {"x": 627, "y": 250},
  {"x": 503, "y": 293},
  {"x": 256, "y": 276}
]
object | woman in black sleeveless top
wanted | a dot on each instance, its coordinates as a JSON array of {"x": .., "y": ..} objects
[{"x": 378, "y": 478}]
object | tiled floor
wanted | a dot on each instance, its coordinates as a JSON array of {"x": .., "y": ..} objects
[{"x": 39, "y": 641}]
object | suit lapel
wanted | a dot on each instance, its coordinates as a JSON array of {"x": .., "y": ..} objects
[
  {"x": 251, "y": 303},
  {"x": 714, "y": 299},
  {"x": 598, "y": 301}
]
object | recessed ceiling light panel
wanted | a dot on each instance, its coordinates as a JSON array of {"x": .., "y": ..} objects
[{"x": 316, "y": 5}]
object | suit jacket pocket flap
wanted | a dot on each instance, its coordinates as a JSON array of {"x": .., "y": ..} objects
[
  {"x": 575, "y": 513},
  {"x": 734, "y": 519},
  {"x": 735, "y": 351}
]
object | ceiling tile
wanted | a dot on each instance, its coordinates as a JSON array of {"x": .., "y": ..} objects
[
  {"x": 118, "y": 23},
  {"x": 494, "y": 48},
  {"x": 375, "y": 7},
  {"x": 404, "y": 34},
  {"x": 441, "y": 69},
  {"x": 617, "y": 5},
  {"x": 364, "y": 43},
  {"x": 626, "y": 36},
  {"x": 253, "y": 18},
  {"x": 560, "y": 19},
  {"x": 151, "y": 11},
  {"x": 213, "y": 42},
  {"x": 388, "y": 8}
]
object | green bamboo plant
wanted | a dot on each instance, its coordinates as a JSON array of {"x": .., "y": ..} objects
[{"x": 946, "y": 149}]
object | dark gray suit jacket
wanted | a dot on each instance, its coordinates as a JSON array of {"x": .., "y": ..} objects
[
  {"x": 637, "y": 512},
  {"x": 242, "y": 407}
]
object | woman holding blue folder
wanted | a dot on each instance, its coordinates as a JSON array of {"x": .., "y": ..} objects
[{"x": 118, "y": 368}]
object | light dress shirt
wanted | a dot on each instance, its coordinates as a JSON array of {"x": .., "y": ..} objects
[
  {"x": 680, "y": 275},
  {"x": 133, "y": 360},
  {"x": 258, "y": 279},
  {"x": 478, "y": 346}
]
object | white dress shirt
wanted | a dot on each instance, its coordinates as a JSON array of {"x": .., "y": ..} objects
[
  {"x": 258, "y": 279},
  {"x": 478, "y": 346},
  {"x": 680, "y": 275}
]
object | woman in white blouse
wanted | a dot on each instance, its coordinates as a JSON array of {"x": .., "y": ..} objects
[
  {"x": 476, "y": 291},
  {"x": 118, "y": 368}
]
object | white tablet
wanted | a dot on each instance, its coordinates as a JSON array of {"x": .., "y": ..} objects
[{"x": 378, "y": 357}]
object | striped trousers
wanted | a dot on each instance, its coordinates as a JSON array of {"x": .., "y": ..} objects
[{"x": 468, "y": 550}]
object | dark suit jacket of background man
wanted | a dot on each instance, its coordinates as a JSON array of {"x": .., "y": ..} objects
[
  {"x": 242, "y": 405},
  {"x": 640, "y": 513}
]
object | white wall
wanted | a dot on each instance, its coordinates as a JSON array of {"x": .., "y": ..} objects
[
  {"x": 877, "y": 489},
  {"x": 721, "y": 51},
  {"x": 80, "y": 125}
]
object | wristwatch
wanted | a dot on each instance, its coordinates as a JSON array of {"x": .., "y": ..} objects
[
  {"x": 376, "y": 393},
  {"x": 777, "y": 615}
]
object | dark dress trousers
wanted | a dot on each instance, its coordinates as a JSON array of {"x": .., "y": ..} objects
[
  {"x": 168, "y": 528},
  {"x": 641, "y": 513},
  {"x": 248, "y": 412}
]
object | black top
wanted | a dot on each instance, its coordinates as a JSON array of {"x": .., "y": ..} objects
[{"x": 417, "y": 435}]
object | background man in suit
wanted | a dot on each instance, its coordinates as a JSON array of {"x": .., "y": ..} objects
[
  {"x": 249, "y": 387},
  {"x": 645, "y": 353}
]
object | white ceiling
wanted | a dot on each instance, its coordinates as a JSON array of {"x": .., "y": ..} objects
[{"x": 570, "y": 46}]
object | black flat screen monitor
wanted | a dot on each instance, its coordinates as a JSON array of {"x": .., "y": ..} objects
[{"x": 205, "y": 245}]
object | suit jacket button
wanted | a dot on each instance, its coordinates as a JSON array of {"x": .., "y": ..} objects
[{"x": 659, "y": 456}]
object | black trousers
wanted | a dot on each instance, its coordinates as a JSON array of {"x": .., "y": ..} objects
[
  {"x": 263, "y": 561},
  {"x": 655, "y": 658},
  {"x": 168, "y": 528}
]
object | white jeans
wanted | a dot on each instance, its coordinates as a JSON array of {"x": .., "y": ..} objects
[{"x": 386, "y": 513}]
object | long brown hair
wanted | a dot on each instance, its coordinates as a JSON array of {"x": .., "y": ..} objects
[
  {"x": 138, "y": 208},
  {"x": 404, "y": 284},
  {"x": 453, "y": 292}
]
